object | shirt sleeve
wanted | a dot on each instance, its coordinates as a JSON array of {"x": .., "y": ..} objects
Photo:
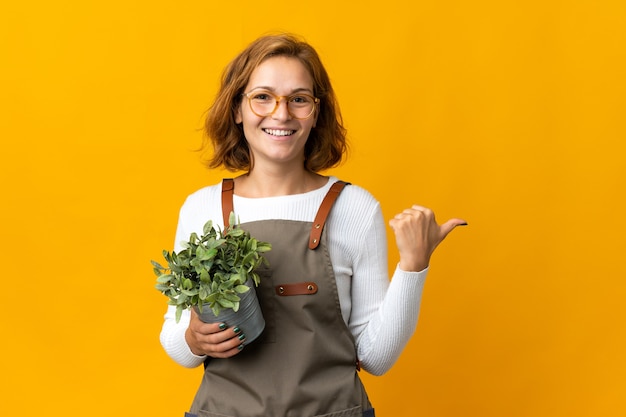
[
  {"x": 173, "y": 339},
  {"x": 384, "y": 313},
  {"x": 173, "y": 334}
]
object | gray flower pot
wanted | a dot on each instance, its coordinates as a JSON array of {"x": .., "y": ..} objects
[{"x": 248, "y": 318}]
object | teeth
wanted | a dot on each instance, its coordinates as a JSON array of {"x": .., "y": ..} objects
[{"x": 275, "y": 132}]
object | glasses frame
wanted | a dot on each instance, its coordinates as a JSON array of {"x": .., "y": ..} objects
[{"x": 278, "y": 100}]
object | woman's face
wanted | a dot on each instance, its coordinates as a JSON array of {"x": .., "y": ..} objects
[{"x": 277, "y": 138}]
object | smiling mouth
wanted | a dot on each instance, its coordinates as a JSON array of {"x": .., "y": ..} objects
[{"x": 276, "y": 132}]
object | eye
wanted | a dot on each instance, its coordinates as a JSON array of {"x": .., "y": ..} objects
[
  {"x": 260, "y": 96},
  {"x": 301, "y": 99}
]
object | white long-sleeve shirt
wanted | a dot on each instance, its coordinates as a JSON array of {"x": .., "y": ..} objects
[{"x": 380, "y": 314}]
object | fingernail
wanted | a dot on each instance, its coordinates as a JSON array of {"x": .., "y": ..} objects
[
  {"x": 242, "y": 336},
  {"x": 240, "y": 346},
  {"x": 463, "y": 224},
  {"x": 222, "y": 326},
  {"x": 236, "y": 329}
]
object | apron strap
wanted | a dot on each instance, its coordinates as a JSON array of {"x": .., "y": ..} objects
[
  {"x": 322, "y": 213},
  {"x": 228, "y": 189}
]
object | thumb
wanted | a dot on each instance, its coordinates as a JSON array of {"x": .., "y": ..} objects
[{"x": 448, "y": 226}]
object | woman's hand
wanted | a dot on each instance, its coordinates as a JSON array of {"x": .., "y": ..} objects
[
  {"x": 216, "y": 340},
  {"x": 418, "y": 234}
]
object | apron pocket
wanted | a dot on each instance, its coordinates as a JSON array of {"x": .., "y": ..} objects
[{"x": 268, "y": 308}]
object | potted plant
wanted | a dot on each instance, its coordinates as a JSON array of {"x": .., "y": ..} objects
[{"x": 215, "y": 273}]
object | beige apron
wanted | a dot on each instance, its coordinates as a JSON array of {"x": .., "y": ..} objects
[{"x": 304, "y": 364}]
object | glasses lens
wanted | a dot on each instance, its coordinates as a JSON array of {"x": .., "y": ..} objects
[
  {"x": 262, "y": 103},
  {"x": 300, "y": 106}
]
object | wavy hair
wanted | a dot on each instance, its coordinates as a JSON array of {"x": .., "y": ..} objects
[{"x": 326, "y": 143}]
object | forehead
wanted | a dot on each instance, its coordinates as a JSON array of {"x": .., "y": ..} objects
[{"x": 281, "y": 72}]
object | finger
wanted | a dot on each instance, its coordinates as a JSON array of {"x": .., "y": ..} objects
[
  {"x": 220, "y": 336},
  {"x": 448, "y": 226},
  {"x": 414, "y": 209},
  {"x": 228, "y": 347},
  {"x": 207, "y": 329},
  {"x": 396, "y": 222},
  {"x": 411, "y": 216},
  {"x": 413, "y": 212},
  {"x": 232, "y": 352},
  {"x": 423, "y": 209},
  {"x": 230, "y": 343}
]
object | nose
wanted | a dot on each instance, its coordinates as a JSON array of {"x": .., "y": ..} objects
[{"x": 282, "y": 110}]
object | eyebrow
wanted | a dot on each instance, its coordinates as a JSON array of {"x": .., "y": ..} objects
[{"x": 295, "y": 90}]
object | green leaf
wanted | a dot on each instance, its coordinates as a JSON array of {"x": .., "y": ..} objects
[
  {"x": 225, "y": 303},
  {"x": 232, "y": 219},
  {"x": 215, "y": 243},
  {"x": 205, "y": 277},
  {"x": 236, "y": 279},
  {"x": 240, "y": 289},
  {"x": 188, "y": 293},
  {"x": 232, "y": 297},
  {"x": 208, "y": 227},
  {"x": 204, "y": 293},
  {"x": 156, "y": 264},
  {"x": 256, "y": 278},
  {"x": 236, "y": 232},
  {"x": 200, "y": 254},
  {"x": 263, "y": 247},
  {"x": 249, "y": 258},
  {"x": 179, "y": 312},
  {"x": 204, "y": 254},
  {"x": 216, "y": 309},
  {"x": 162, "y": 279}
]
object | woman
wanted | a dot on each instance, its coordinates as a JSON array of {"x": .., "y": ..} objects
[{"x": 276, "y": 119}]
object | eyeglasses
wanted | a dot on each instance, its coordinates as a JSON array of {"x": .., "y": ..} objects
[{"x": 299, "y": 106}]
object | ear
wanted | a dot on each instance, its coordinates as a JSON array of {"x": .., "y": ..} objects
[{"x": 238, "y": 116}]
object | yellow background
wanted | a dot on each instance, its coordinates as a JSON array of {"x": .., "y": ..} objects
[{"x": 509, "y": 114}]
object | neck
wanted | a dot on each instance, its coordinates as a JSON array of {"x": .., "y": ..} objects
[{"x": 262, "y": 183}]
